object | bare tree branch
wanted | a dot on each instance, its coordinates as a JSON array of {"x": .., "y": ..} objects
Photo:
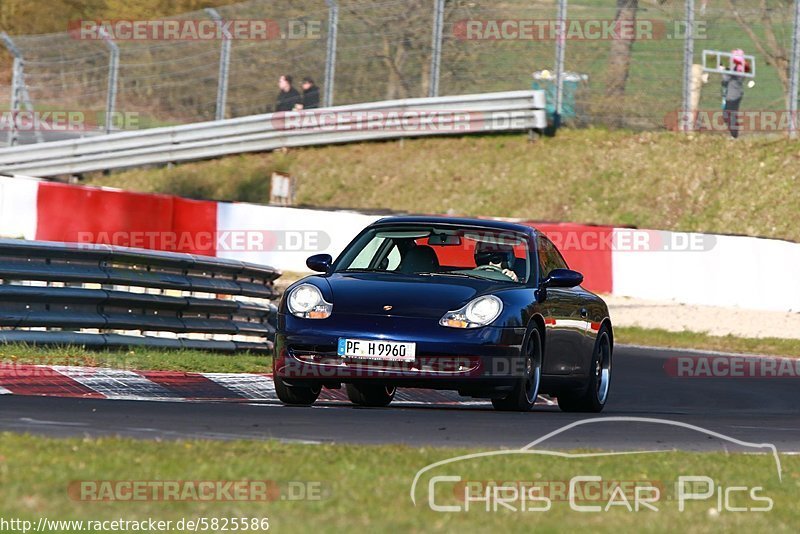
[{"x": 769, "y": 47}]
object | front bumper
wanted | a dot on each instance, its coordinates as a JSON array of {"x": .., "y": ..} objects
[{"x": 446, "y": 358}]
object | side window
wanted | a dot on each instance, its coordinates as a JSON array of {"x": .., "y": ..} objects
[
  {"x": 549, "y": 258},
  {"x": 558, "y": 259},
  {"x": 376, "y": 256},
  {"x": 394, "y": 259},
  {"x": 364, "y": 258}
]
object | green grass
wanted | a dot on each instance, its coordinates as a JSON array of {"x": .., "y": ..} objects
[
  {"x": 667, "y": 181},
  {"x": 770, "y": 346},
  {"x": 367, "y": 487},
  {"x": 137, "y": 359}
]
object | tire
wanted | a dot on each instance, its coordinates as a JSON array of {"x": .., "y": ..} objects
[
  {"x": 374, "y": 395},
  {"x": 526, "y": 390},
  {"x": 594, "y": 396},
  {"x": 296, "y": 395}
]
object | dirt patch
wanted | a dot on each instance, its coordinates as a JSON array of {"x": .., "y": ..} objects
[{"x": 713, "y": 320}]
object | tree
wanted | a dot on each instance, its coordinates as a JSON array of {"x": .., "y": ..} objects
[
  {"x": 402, "y": 31},
  {"x": 619, "y": 58},
  {"x": 768, "y": 45}
]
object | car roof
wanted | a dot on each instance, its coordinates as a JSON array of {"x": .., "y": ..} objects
[{"x": 457, "y": 221}]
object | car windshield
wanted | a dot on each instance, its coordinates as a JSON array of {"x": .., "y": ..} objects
[{"x": 498, "y": 255}]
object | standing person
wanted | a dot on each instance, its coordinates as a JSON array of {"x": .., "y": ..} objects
[
  {"x": 733, "y": 91},
  {"x": 288, "y": 97},
  {"x": 310, "y": 94}
]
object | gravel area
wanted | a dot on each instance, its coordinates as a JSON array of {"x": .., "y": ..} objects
[{"x": 713, "y": 320}]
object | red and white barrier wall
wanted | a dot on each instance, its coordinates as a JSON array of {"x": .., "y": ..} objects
[{"x": 692, "y": 268}]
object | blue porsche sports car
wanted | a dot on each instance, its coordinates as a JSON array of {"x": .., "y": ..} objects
[{"x": 487, "y": 308}]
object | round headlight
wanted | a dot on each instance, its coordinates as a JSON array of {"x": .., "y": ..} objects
[
  {"x": 304, "y": 298},
  {"x": 476, "y": 313},
  {"x": 483, "y": 310}
]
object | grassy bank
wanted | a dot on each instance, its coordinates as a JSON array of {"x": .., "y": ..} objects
[
  {"x": 653, "y": 337},
  {"x": 703, "y": 183},
  {"x": 138, "y": 358},
  {"x": 338, "y": 487}
]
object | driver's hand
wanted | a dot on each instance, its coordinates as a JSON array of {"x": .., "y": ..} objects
[{"x": 511, "y": 274}]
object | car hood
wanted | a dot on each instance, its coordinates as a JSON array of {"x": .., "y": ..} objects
[{"x": 408, "y": 295}]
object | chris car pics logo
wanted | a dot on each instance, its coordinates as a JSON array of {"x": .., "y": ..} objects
[{"x": 450, "y": 485}]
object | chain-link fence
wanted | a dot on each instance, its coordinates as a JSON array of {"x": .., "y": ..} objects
[{"x": 623, "y": 60}]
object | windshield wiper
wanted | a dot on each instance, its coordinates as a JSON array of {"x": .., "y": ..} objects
[
  {"x": 364, "y": 270},
  {"x": 454, "y": 273}
]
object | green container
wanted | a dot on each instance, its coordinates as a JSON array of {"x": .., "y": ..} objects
[{"x": 570, "y": 82}]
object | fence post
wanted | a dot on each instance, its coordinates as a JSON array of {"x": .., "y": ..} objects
[
  {"x": 794, "y": 72},
  {"x": 224, "y": 65},
  {"x": 19, "y": 92},
  {"x": 561, "y": 44},
  {"x": 436, "y": 47},
  {"x": 686, "y": 121},
  {"x": 113, "y": 75},
  {"x": 16, "y": 74},
  {"x": 330, "y": 56}
]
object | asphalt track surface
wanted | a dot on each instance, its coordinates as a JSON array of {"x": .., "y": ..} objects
[{"x": 758, "y": 410}]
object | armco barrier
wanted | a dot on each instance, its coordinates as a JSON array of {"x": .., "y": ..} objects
[
  {"x": 447, "y": 115},
  {"x": 102, "y": 296}
]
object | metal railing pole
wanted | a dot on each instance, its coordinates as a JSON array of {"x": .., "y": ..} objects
[
  {"x": 224, "y": 65},
  {"x": 794, "y": 73},
  {"x": 15, "y": 100},
  {"x": 16, "y": 82},
  {"x": 436, "y": 47},
  {"x": 330, "y": 56},
  {"x": 113, "y": 76},
  {"x": 686, "y": 122},
  {"x": 19, "y": 90},
  {"x": 561, "y": 44}
]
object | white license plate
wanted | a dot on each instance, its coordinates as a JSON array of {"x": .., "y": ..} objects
[{"x": 377, "y": 350}]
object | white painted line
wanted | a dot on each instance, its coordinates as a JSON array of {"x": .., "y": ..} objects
[
  {"x": 44, "y": 422},
  {"x": 248, "y": 386},
  {"x": 117, "y": 384}
]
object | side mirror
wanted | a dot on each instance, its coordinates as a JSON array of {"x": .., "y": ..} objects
[
  {"x": 563, "y": 278},
  {"x": 320, "y": 263}
]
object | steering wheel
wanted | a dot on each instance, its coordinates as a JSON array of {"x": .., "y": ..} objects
[
  {"x": 496, "y": 269},
  {"x": 489, "y": 267}
]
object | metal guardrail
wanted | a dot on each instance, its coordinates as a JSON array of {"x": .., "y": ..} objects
[
  {"x": 103, "y": 296},
  {"x": 478, "y": 113}
]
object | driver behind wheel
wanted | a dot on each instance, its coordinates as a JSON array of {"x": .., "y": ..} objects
[{"x": 490, "y": 256}]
